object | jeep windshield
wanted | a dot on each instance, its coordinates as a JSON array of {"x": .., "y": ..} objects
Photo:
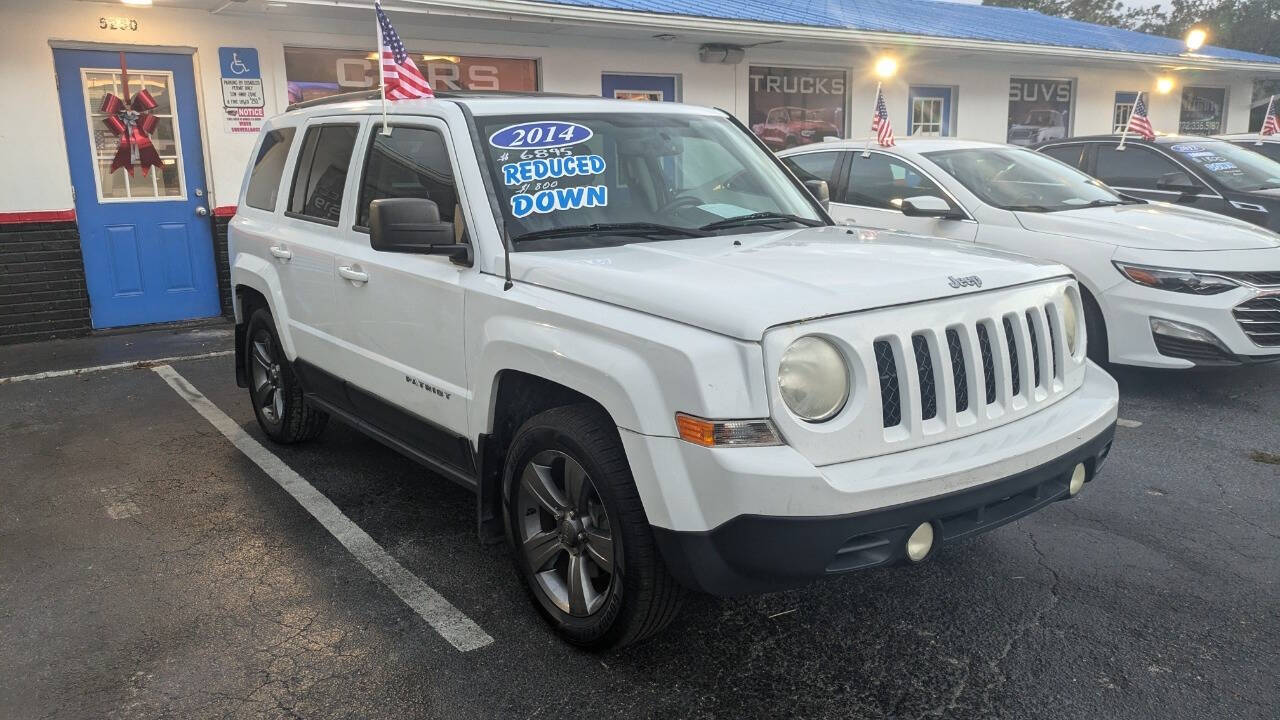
[
  {"x": 1023, "y": 180},
  {"x": 572, "y": 180}
]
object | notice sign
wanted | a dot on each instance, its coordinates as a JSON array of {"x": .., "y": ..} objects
[
  {"x": 243, "y": 120},
  {"x": 243, "y": 100}
]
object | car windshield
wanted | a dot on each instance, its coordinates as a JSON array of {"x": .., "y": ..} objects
[
  {"x": 583, "y": 180},
  {"x": 1015, "y": 179},
  {"x": 1235, "y": 167}
]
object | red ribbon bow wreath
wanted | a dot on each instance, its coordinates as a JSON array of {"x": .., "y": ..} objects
[{"x": 133, "y": 123}]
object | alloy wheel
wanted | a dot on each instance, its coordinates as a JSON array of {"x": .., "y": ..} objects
[
  {"x": 268, "y": 396},
  {"x": 564, "y": 533}
]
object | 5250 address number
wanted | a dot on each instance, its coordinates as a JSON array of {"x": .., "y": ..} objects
[{"x": 117, "y": 23}]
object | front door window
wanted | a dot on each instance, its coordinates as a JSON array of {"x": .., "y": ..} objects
[{"x": 119, "y": 185}]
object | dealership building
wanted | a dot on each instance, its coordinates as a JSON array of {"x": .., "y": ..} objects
[{"x": 84, "y": 244}]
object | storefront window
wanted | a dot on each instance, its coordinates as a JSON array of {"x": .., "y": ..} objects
[
  {"x": 793, "y": 106},
  {"x": 1123, "y": 109},
  {"x": 1204, "y": 111},
  {"x": 931, "y": 114},
  {"x": 1039, "y": 110},
  {"x": 314, "y": 73}
]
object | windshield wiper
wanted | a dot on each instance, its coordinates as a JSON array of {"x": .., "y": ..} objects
[
  {"x": 1103, "y": 203},
  {"x": 1027, "y": 208},
  {"x": 631, "y": 228},
  {"x": 759, "y": 217}
]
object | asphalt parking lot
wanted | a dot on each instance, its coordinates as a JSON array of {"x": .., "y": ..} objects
[{"x": 149, "y": 568}]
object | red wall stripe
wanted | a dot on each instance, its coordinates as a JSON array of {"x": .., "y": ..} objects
[
  {"x": 34, "y": 216},
  {"x": 224, "y": 211}
]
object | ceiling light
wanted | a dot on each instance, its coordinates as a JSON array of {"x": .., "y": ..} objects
[
  {"x": 886, "y": 67},
  {"x": 137, "y": 3}
]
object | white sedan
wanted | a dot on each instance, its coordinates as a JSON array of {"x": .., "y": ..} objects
[{"x": 1164, "y": 286}]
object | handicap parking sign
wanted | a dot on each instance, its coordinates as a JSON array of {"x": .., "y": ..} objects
[{"x": 239, "y": 63}]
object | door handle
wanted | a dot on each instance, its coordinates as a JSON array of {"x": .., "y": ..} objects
[
  {"x": 353, "y": 274},
  {"x": 280, "y": 252},
  {"x": 202, "y": 211}
]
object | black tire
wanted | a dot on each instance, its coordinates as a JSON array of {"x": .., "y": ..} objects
[
  {"x": 282, "y": 411},
  {"x": 1095, "y": 328},
  {"x": 641, "y": 598}
]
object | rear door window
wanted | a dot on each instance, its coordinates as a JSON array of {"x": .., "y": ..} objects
[{"x": 321, "y": 174}]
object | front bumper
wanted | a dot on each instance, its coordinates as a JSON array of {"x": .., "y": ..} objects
[
  {"x": 738, "y": 520},
  {"x": 1129, "y": 308},
  {"x": 755, "y": 553}
]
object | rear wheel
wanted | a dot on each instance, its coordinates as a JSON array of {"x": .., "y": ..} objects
[
  {"x": 278, "y": 403},
  {"x": 578, "y": 530}
]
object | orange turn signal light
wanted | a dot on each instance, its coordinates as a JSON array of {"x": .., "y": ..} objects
[{"x": 726, "y": 433}]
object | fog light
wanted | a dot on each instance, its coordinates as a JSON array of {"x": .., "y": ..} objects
[
  {"x": 920, "y": 542},
  {"x": 1077, "y": 479}
]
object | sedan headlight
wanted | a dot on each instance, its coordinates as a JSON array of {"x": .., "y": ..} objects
[
  {"x": 813, "y": 379},
  {"x": 1181, "y": 281},
  {"x": 1071, "y": 322}
]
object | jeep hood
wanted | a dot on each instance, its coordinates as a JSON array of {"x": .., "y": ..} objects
[
  {"x": 1153, "y": 226},
  {"x": 775, "y": 278}
]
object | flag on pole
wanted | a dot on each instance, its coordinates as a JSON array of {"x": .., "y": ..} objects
[
  {"x": 1139, "y": 123},
  {"x": 1270, "y": 124},
  {"x": 401, "y": 78},
  {"x": 880, "y": 124}
]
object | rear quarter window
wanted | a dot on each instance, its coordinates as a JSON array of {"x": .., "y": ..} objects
[{"x": 268, "y": 169}]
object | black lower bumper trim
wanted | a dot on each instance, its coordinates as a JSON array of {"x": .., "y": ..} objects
[
  {"x": 1206, "y": 354},
  {"x": 756, "y": 553}
]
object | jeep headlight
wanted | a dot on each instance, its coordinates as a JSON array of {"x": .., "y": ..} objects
[
  {"x": 1071, "y": 322},
  {"x": 813, "y": 379}
]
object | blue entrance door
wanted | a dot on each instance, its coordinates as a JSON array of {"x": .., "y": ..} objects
[
  {"x": 658, "y": 88},
  {"x": 146, "y": 238}
]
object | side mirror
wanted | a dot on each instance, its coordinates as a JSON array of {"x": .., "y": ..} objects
[
  {"x": 1178, "y": 182},
  {"x": 820, "y": 192},
  {"x": 929, "y": 206},
  {"x": 412, "y": 225}
]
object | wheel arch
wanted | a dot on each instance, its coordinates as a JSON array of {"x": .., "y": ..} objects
[{"x": 515, "y": 396}]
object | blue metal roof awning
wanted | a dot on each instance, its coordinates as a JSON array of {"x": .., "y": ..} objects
[{"x": 927, "y": 18}]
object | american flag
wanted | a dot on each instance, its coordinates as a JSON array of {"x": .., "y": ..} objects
[
  {"x": 401, "y": 79},
  {"x": 880, "y": 124},
  {"x": 1270, "y": 125},
  {"x": 1139, "y": 123}
]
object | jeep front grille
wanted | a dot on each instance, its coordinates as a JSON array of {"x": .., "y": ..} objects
[
  {"x": 1018, "y": 340},
  {"x": 938, "y": 370},
  {"x": 1260, "y": 320}
]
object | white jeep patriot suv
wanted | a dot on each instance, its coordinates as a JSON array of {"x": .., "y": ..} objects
[{"x": 648, "y": 349}]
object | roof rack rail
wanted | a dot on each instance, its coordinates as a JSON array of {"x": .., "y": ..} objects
[{"x": 444, "y": 95}]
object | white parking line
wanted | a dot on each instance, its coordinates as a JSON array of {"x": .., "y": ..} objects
[
  {"x": 447, "y": 620},
  {"x": 113, "y": 366},
  {"x": 1128, "y": 423}
]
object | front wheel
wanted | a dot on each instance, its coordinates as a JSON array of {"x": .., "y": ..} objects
[
  {"x": 278, "y": 403},
  {"x": 579, "y": 533}
]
